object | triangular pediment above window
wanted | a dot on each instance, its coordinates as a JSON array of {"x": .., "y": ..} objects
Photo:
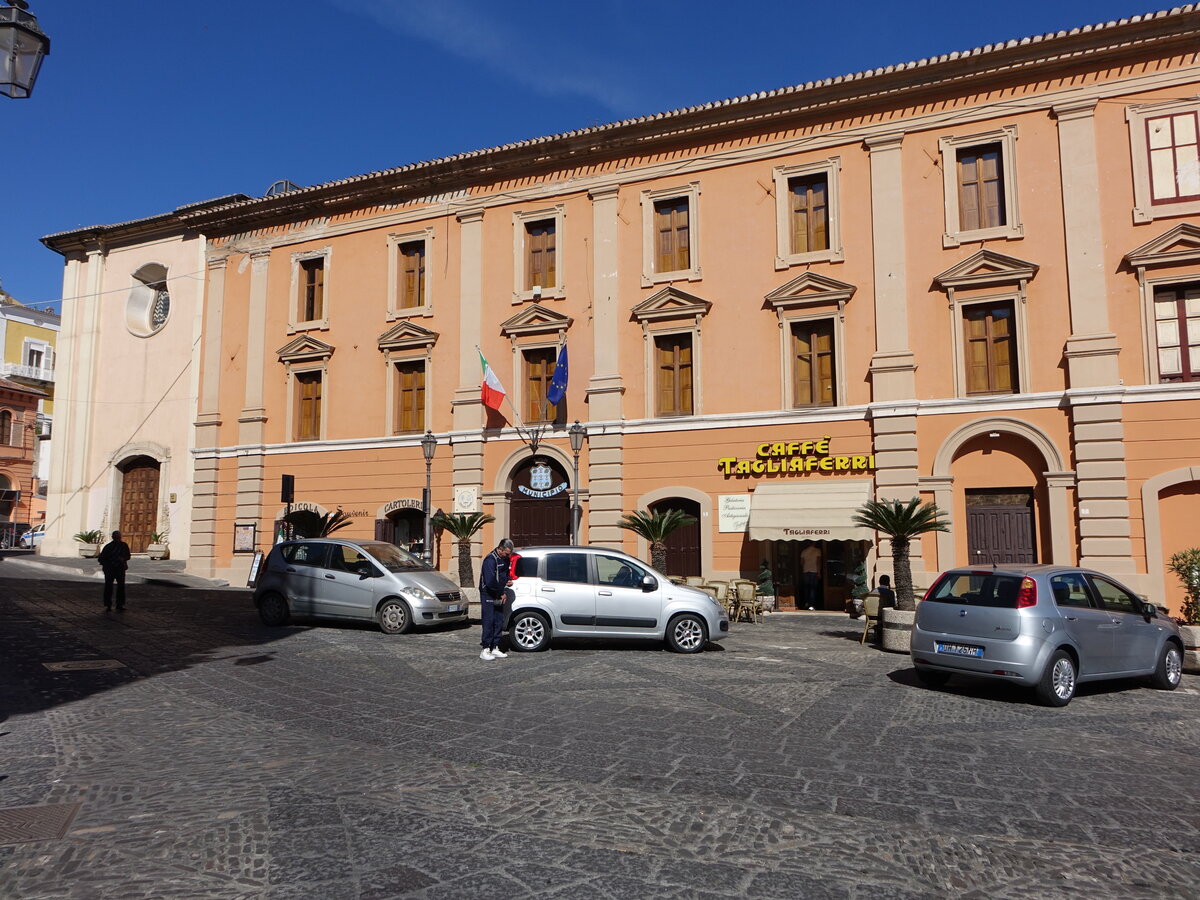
[
  {"x": 808, "y": 289},
  {"x": 535, "y": 319},
  {"x": 1179, "y": 245},
  {"x": 407, "y": 336},
  {"x": 304, "y": 349},
  {"x": 671, "y": 303},
  {"x": 987, "y": 267}
]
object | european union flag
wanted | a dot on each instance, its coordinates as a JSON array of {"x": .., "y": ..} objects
[{"x": 558, "y": 384}]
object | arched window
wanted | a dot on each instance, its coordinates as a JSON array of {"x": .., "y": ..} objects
[{"x": 8, "y": 433}]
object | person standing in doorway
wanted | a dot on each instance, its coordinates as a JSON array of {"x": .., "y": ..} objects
[
  {"x": 810, "y": 574},
  {"x": 495, "y": 580},
  {"x": 114, "y": 560}
]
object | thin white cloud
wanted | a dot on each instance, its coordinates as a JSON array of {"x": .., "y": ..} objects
[{"x": 531, "y": 55}]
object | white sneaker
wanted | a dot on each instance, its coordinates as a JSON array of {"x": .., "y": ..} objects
[
  {"x": 486, "y": 654},
  {"x": 499, "y": 654}
]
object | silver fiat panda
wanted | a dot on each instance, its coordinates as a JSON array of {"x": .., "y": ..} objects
[{"x": 345, "y": 579}]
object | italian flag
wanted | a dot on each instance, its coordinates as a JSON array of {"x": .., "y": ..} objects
[{"x": 492, "y": 391}]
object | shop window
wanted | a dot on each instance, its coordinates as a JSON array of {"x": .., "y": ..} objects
[
  {"x": 979, "y": 180},
  {"x": 673, "y": 374},
  {"x": 1177, "y": 331},
  {"x": 409, "y": 395},
  {"x": 989, "y": 348},
  {"x": 813, "y": 364},
  {"x": 539, "y": 372},
  {"x": 308, "y": 405}
]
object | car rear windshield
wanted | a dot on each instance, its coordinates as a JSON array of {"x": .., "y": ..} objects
[
  {"x": 977, "y": 589},
  {"x": 393, "y": 558}
]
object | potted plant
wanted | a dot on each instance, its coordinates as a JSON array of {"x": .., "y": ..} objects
[
  {"x": 858, "y": 591},
  {"x": 901, "y": 522},
  {"x": 157, "y": 548},
  {"x": 656, "y": 527},
  {"x": 1186, "y": 566},
  {"x": 89, "y": 543}
]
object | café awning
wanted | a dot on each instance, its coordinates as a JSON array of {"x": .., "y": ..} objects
[{"x": 809, "y": 511}]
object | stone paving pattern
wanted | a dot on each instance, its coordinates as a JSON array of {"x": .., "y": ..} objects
[{"x": 229, "y": 760}]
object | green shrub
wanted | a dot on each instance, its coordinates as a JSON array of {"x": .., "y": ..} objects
[
  {"x": 1186, "y": 566},
  {"x": 94, "y": 536}
]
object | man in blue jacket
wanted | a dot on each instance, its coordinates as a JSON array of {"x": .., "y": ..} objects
[{"x": 495, "y": 577}]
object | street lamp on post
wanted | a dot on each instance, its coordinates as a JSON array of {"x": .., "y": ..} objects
[
  {"x": 576, "y": 433},
  {"x": 22, "y": 47},
  {"x": 428, "y": 447}
]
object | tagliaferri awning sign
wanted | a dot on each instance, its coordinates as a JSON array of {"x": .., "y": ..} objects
[{"x": 796, "y": 458}]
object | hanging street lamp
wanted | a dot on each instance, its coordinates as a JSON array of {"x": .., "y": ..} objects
[{"x": 22, "y": 47}]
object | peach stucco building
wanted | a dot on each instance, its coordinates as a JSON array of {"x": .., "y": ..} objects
[{"x": 973, "y": 278}]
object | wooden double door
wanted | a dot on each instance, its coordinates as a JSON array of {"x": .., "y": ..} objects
[
  {"x": 139, "y": 502},
  {"x": 1000, "y": 527},
  {"x": 540, "y": 505}
]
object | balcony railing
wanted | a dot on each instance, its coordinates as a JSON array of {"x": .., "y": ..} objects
[{"x": 35, "y": 372}]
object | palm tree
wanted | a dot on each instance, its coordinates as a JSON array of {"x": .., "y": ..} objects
[
  {"x": 331, "y": 522},
  {"x": 463, "y": 526},
  {"x": 902, "y": 522},
  {"x": 656, "y": 527}
]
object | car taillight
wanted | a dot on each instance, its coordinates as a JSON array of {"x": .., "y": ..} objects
[
  {"x": 1027, "y": 595},
  {"x": 933, "y": 587}
]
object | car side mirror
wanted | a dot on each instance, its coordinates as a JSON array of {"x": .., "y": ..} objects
[
  {"x": 649, "y": 583},
  {"x": 1149, "y": 610}
]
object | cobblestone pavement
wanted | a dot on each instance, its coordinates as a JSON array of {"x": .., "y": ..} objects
[{"x": 223, "y": 759}]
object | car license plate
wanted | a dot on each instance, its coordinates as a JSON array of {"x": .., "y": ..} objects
[
  {"x": 959, "y": 649},
  {"x": 454, "y": 608}
]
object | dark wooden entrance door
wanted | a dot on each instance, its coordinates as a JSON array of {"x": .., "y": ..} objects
[
  {"x": 683, "y": 544},
  {"x": 1000, "y": 527},
  {"x": 538, "y": 520},
  {"x": 139, "y": 503}
]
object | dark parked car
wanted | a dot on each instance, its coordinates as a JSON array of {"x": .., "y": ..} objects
[{"x": 1048, "y": 627}]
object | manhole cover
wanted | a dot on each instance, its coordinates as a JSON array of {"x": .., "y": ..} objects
[
  {"x": 84, "y": 665},
  {"x": 35, "y": 823}
]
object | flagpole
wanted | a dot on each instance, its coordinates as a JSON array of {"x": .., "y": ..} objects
[{"x": 518, "y": 422}]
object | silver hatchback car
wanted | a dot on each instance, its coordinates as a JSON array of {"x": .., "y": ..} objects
[
  {"x": 1048, "y": 627},
  {"x": 598, "y": 592},
  {"x": 355, "y": 580}
]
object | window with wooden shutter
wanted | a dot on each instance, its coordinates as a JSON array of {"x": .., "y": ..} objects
[
  {"x": 671, "y": 233},
  {"x": 312, "y": 294},
  {"x": 410, "y": 397},
  {"x": 7, "y": 431},
  {"x": 540, "y": 255},
  {"x": 412, "y": 274},
  {"x": 308, "y": 406},
  {"x": 673, "y": 367},
  {"x": 809, "y": 213},
  {"x": 813, "y": 363},
  {"x": 981, "y": 187},
  {"x": 1173, "y": 144},
  {"x": 1177, "y": 332},
  {"x": 990, "y": 348},
  {"x": 539, "y": 372}
]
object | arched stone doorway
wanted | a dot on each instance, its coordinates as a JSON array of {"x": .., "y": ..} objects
[
  {"x": 1169, "y": 504},
  {"x": 683, "y": 544},
  {"x": 539, "y": 499},
  {"x": 304, "y": 521},
  {"x": 139, "y": 501},
  {"x": 404, "y": 528}
]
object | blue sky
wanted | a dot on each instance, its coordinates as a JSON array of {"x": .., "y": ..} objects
[{"x": 144, "y": 105}]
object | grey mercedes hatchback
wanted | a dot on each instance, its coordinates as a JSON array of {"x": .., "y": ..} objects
[
  {"x": 345, "y": 579},
  {"x": 1047, "y": 627}
]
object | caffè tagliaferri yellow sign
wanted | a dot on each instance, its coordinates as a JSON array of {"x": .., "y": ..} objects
[{"x": 795, "y": 458}]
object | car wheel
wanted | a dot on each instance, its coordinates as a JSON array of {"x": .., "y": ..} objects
[
  {"x": 1169, "y": 671},
  {"x": 273, "y": 610},
  {"x": 930, "y": 678},
  {"x": 686, "y": 634},
  {"x": 529, "y": 632},
  {"x": 395, "y": 617},
  {"x": 1057, "y": 685}
]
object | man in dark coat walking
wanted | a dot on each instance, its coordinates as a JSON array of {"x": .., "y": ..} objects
[
  {"x": 114, "y": 560},
  {"x": 495, "y": 576}
]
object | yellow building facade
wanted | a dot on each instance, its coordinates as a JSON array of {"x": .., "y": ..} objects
[{"x": 973, "y": 279}]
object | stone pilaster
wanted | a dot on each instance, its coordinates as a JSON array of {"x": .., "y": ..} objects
[
  {"x": 1102, "y": 488},
  {"x": 605, "y": 387},
  {"x": 467, "y": 408},
  {"x": 606, "y": 488},
  {"x": 894, "y": 436},
  {"x": 202, "y": 553}
]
